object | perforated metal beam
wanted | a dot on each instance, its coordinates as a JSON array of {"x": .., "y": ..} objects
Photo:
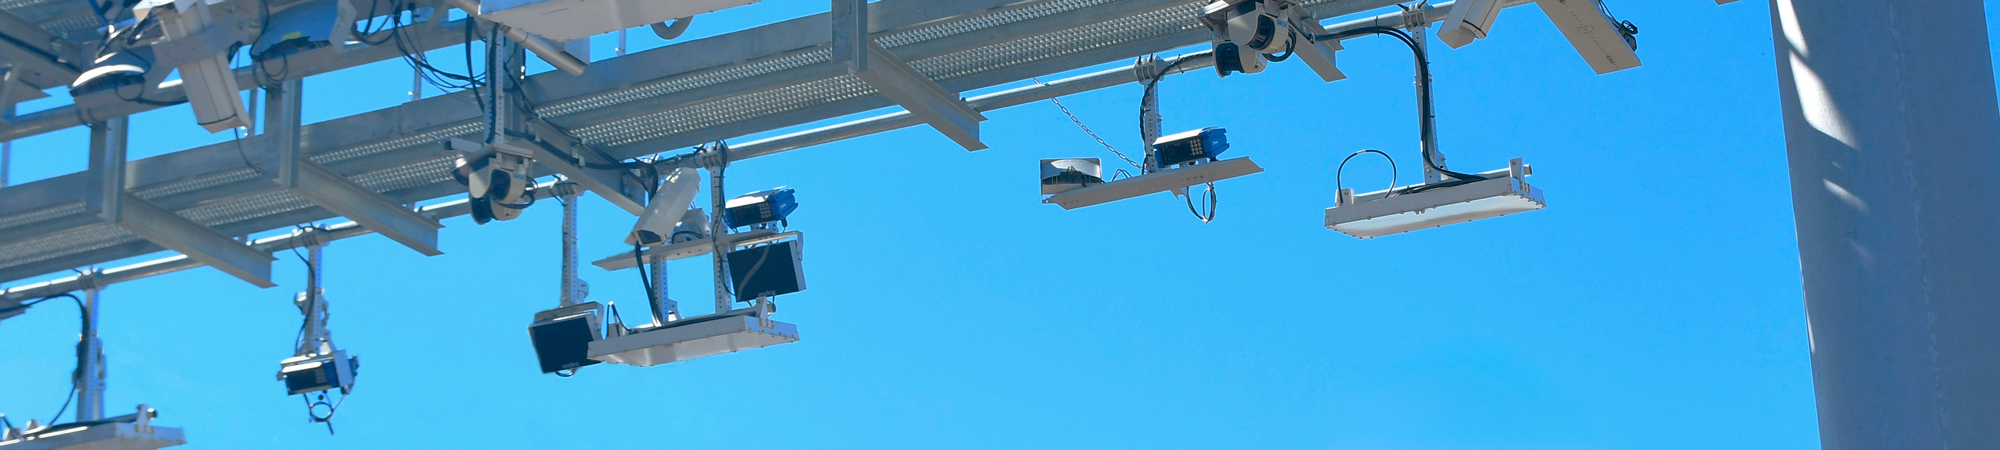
[
  {"x": 111, "y": 202},
  {"x": 336, "y": 193},
  {"x": 944, "y": 110}
]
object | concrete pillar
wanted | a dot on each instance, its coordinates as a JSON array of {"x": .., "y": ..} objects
[{"x": 1893, "y": 134}]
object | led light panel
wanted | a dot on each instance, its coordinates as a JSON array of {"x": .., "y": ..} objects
[
  {"x": 693, "y": 338},
  {"x": 1379, "y": 214}
]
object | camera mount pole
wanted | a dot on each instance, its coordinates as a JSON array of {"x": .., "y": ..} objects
[{"x": 90, "y": 359}]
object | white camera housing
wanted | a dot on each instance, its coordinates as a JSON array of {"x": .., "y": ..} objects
[
  {"x": 1469, "y": 20},
  {"x": 667, "y": 209},
  {"x": 211, "y": 86}
]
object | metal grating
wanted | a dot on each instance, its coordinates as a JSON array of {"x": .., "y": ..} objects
[
  {"x": 57, "y": 245},
  {"x": 30, "y": 217},
  {"x": 187, "y": 185},
  {"x": 1168, "y": 27}
]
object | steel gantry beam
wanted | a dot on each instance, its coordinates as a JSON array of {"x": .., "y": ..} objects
[
  {"x": 111, "y": 202},
  {"x": 306, "y": 179},
  {"x": 620, "y": 187},
  {"x": 663, "y": 100},
  {"x": 424, "y": 36},
  {"x": 35, "y": 54},
  {"x": 916, "y": 93}
]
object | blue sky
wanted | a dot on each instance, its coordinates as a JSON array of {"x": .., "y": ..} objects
[{"x": 1655, "y": 304}]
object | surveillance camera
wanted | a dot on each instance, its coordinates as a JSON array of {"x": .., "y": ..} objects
[
  {"x": 204, "y": 66},
  {"x": 667, "y": 211},
  {"x": 314, "y": 373},
  {"x": 496, "y": 178},
  {"x": 1468, "y": 20},
  {"x": 1247, "y": 32}
]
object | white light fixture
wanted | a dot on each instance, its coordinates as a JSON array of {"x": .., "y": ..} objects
[
  {"x": 673, "y": 340},
  {"x": 695, "y": 337},
  {"x": 1434, "y": 205},
  {"x": 1156, "y": 182},
  {"x": 128, "y": 432}
]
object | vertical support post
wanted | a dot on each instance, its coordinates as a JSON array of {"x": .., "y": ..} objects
[
  {"x": 1890, "y": 114},
  {"x": 718, "y": 236},
  {"x": 281, "y": 126},
  {"x": 107, "y": 169},
  {"x": 1418, "y": 25},
  {"x": 621, "y": 43},
  {"x": 850, "y": 34},
  {"x": 664, "y": 309},
  {"x": 315, "y": 342},
  {"x": 6, "y": 148},
  {"x": 416, "y": 84},
  {"x": 90, "y": 362},
  {"x": 571, "y": 289}
]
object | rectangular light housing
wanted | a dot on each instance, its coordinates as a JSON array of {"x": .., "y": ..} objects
[
  {"x": 1380, "y": 214},
  {"x": 1156, "y": 182},
  {"x": 693, "y": 338}
]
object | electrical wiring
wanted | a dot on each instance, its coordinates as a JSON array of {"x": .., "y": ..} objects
[
  {"x": 1426, "y": 114},
  {"x": 82, "y": 346},
  {"x": 645, "y": 273},
  {"x": 752, "y": 273},
  {"x": 1152, "y": 90},
  {"x": 1338, "y": 186},
  {"x": 1208, "y": 195}
]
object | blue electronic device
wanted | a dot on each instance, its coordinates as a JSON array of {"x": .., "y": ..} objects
[
  {"x": 760, "y": 207},
  {"x": 1196, "y": 146}
]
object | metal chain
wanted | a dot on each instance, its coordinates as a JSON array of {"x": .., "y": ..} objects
[{"x": 1086, "y": 128}]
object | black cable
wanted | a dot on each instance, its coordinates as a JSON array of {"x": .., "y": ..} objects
[
  {"x": 312, "y": 297},
  {"x": 1426, "y": 114},
  {"x": 745, "y": 283},
  {"x": 1290, "y": 46},
  {"x": 82, "y": 346},
  {"x": 1208, "y": 195},
  {"x": 1337, "y": 185},
  {"x": 645, "y": 273}
]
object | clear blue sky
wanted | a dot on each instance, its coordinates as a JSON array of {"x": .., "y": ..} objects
[{"x": 1654, "y": 305}]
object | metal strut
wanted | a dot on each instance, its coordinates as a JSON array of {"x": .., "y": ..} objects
[
  {"x": 718, "y": 235},
  {"x": 572, "y": 289},
  {"x": 90, "y": 362}
]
